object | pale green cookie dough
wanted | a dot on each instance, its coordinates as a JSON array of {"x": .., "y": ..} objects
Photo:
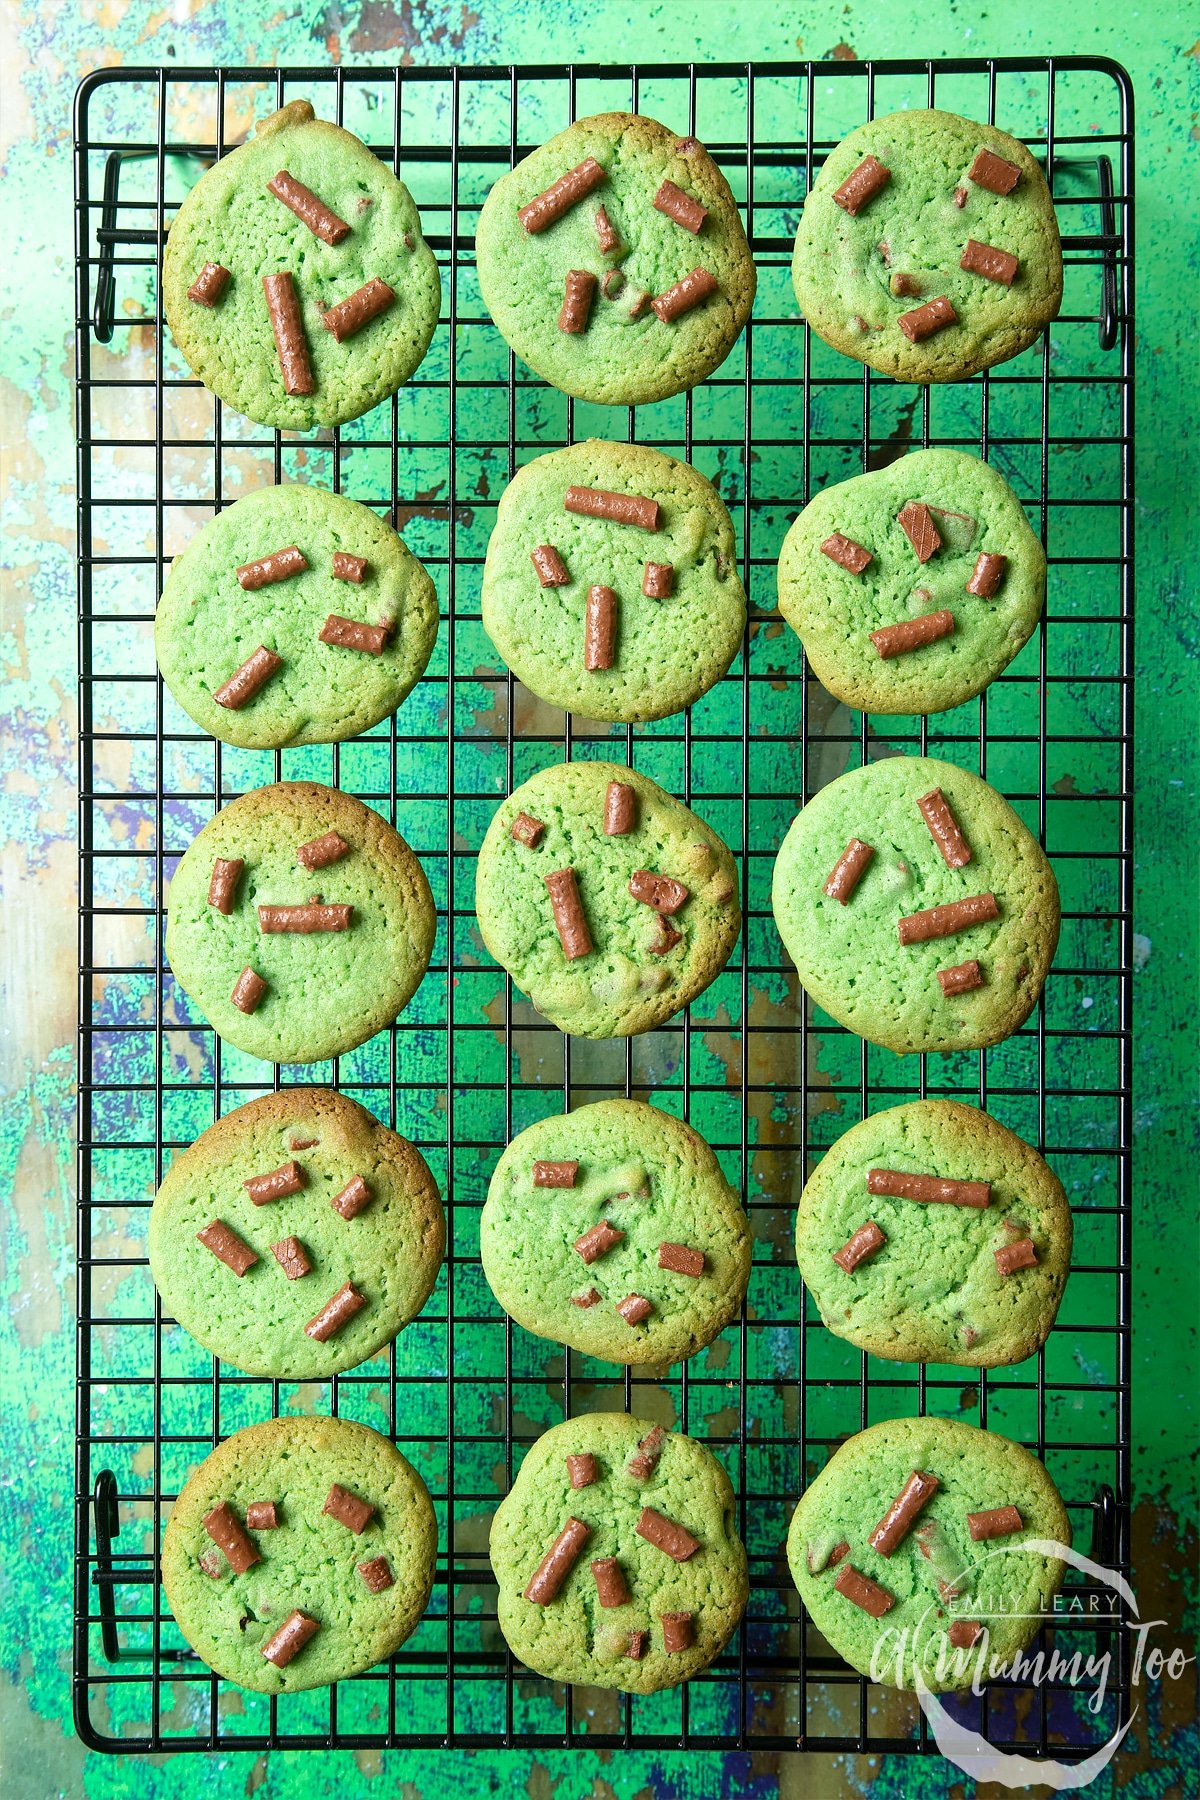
[
  {"x": 936, "y": 1574},
  {"x": 834, "y": 611},
  {"x": 668, "y": 651},
  {"x": 624, "y": 985},
  {"x": 229, "y": 218},
  {"x": 327, "y": 991},
  {"x": 573, "y": 1638},
  {"x": 650, "y": 1177},
  {"x": 624, "y": 356},
  {"x": 933, "y": 1292},
  {"x": 849, "y": 957},
  {"x": 309, "y": 1561},
  {"x": 390, "y": 1251},
  {"x": 208, "y": 625},
  {"x": 912, "y": 233}
]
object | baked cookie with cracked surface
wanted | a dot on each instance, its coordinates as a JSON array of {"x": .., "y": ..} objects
[
  {"x": 299, "y": 922},
  {"x": 296, "y": 1236},
  {"x": 300, "y": 1551},
  {"x": 616, "y": 1556},
  {"x": 296, "y": 282},
  {"x": 611, "y": 584},
  {"x": 614, "y": 261},
  {"x": 932, "y": 1233},
  {"x": 928, "y": 247},
  {"x": 912, "y": 1551},
  {"x": 613, "y": 1230},
  {"x": 608, "y": 902},
  {"x": 294, "y": 616},
  {"x": 914, "y": 586},
  {"x": 918, "y": 909}
]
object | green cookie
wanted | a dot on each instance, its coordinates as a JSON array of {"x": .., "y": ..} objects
[
  {"x": 232, "y": 220},
  {"x": 858, "y": 273},
  {"x": 384, "y": 1237},
  {"x": 310, "y": 1562},
  {"x": 634, "y": 965},
  {"x": 934, "y": 1292},
  {"x": 834, "y": 610},
  {"x": 695, "y": 1604},
  {"x": 685, "y": 1241},
  {"x": 936, "y": 1574},
  {"x": 208, "y": 625},
  {"x": 624, "y": 350},
  {"x": 328, "y": 990},
  {"x": 850, "y": 955}
]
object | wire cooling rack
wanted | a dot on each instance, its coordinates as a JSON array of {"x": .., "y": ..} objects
[{"x": 771, "y": 1085}]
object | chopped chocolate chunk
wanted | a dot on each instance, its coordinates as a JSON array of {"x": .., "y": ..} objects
[
  {"x": 611, "y": 1586},
  {"x": 349, "y": 568},
  {"x": 644, "y": 1460},
  {"x": 916, "y": 522},
  {"x": 318, "y": 853},
  {"x": 1001, "y": 1521},
  {"x": 290, "y": 1639},
  {"x": 662, "y": 892},
  {"x": 861, "y": 185},
  {"x": 862, "y": 1591},
  {"x": 299, "y": 1143},
  {"x": 639, "y": 304},
  {"x": 683, "y": 208},
  {"x": 963, "y": 978},
  {"x": 923, "y": 321},
  {"x": 262, "y": 1515},
  {"x": 227, "y": 1533},
  {"x": 359, "y": 308},
  {"x": 583, "y": 1470},
  {"x": 209, "y": 284},
  {"x": 283, "y": 308},
  {"x": 245, "y": 682},
  {"x": 591, "y": 1298},
  {"x": 279, "y": 566},
  {"x": 562, "y": 195},
  {"x": 1021, "y": 1255},
  {"x": 986, "y": 260},
  {"x": 678, "y": 1629},
  {"x": 691, "y": 291},
  {"x": 912, "y": 634},
  {"x": 349, "y": 1509},
  {"x": 634, "y": 1309},
  {"x": 579, "y": 291},
  {"x": 335, "y": 1313},
  {"x": 567, "y": 908},
  {"x": 825, "y": 1552},
  {"x": 674, "y": 1540},
  {"x": 904, "y": 286},
  {"x": 987, "y": 574},
  {"x": 622, "y": 509},
  {"x": 354, "y": 634},
  {"x": 354, "y": 1198},
  {"x": 600, "y": 629},
  {"x": 248, "y": 990},
  {"x": 612, "y": 283},
  {"x": 681, "y": 1259},
  {"x": 637, "y": 1645},
  {"x": 598, "y": 1240},
  {"x": 846, "y": 553},
  {"x": 860, "y": 1247},
  {"x": 276, "y": 1185},
  {"x": 666, "y": 937},
  {"x": 526, "y": 830},
  {"x": 304, "y": 919},
  {"x": 376, "y": 1574},
  {"x": 226, "y": 874},
  {"x": 606, "y": 232},
  {"x": 228, "y": 1247},
  {"x": 552, "y": 571},
  {"x": 311, "y": 211},
  {"x": 658, "y": 580},
  {"x": 561, "y": 1174},
  {"x": 995, "y": 173},
  {"x": 558, "y": 1562},
  {"x": 963, "y": 1633},
  {"x": 944, "y": 829},
  {"x": 901, "y": 1515},
  {"x": 848, "y": 870},
  {"x": 211, "y": 1563},
  {"x": 899, "y": 1184},
  {"x": 292, "y": 1258},
  {"x": 620, "y": 809},
  {"x": 944, "y": 921}
]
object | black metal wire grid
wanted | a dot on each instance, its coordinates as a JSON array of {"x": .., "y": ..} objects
[{"x": 771, "y": 1086}]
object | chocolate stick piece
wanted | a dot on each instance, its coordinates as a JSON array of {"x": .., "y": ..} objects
[
  {"x": 691, "y": 292},
  {"x": 622, "y": 509},
  {"x": 598, "y": 1240},
  {"x": 606, "y": 233},
  {"x": 228, "y": 1247},
  {"x": 376, "y": 1574},
  {"x": 335, "y": 1313},
  {"x": 963, "y": 1633},
  {"x": 555, "y": 1174},
  {"x": 583, "y": 1469},
  {"x": 859, "y": 1247},
  {"x": 662, "y": 892},
  {"x": 963, "y": 978},
  {"x": 225, "y": 1529},
  {"x": 911, "y": 634},
  {"x": 283, "y": 307},
  {"x": 278, "y": 566},
  {"x": 562, "y": 195},
  {"x": 681, "y": 1259},
  {"x": 353, "y": 634},
  {"x": 358, "y": 309},
  {"x": 611, "y": 1587},
  {"x": 944, "y": 921},
  {"x": 863, "y": 1592},
  {"x": 567, "y": 908},
  {"x": 226, "y": 873},
  {"x": 245, "y": 682},
  {"x": 579, "y": 291},
  {"x": 600, "y": 629},
  {"x": 349, "y": 1509},
  {"x": 861, "y": 185},
  {"x": 620, "y": 809},
  {"x": 987, "y": 574},
  {"x": 678, "y": 1630},
  {"x": 644, "y": 1460},
  {"x": 305, "y": 919},
  {"x": 292, "y": 1258},
  {"x": 848, "y": 870},
  {"x": 248, "y": 990},
  {"x": 262, "y": 1515},
  {"x": 320, "y": 219},
  {"x": 658, "y": 580},
  {"x": 349, "y": 568},
  {"x": 1021, "y": 1255},
  {"x": 901, "y": 1515},
  {"x": 319, "y": 852},
  {"x": 353, "y": 1199},
  {"x": 944, "y": 828},
  {"x": 674, "y": 1540},
  {"x": 276, "y": 1185},
  {"x": 558, "y": 1562},
  {"x": 637, "y": 1645},
  {"x": 683, "y": 208},
  {"x": 846, "y": 553},
  {"x": 995, "y": 173},
  {"x": 552, "y": 571},
  {"x": 916, "y": 522},
  {"x": 931, "y": 1189},
  {"x": 209, "y": 284},
  {"x": 591, "y": 1298},
  {"x": 526, "y": 830},
  {"x": 290, "y": 1639},
  {"x": 1001, "y": 1521},
  {"x": 923, "y": 321},
  {"x": 988, "y": 261},
  {"x": 634, "y": 1308}
]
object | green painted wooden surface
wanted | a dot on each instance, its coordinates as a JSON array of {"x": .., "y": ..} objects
[{"x": 40, "y": 1758}]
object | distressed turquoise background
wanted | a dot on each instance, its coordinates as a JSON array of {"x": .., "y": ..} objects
[{"x": 48, "y": 48}]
